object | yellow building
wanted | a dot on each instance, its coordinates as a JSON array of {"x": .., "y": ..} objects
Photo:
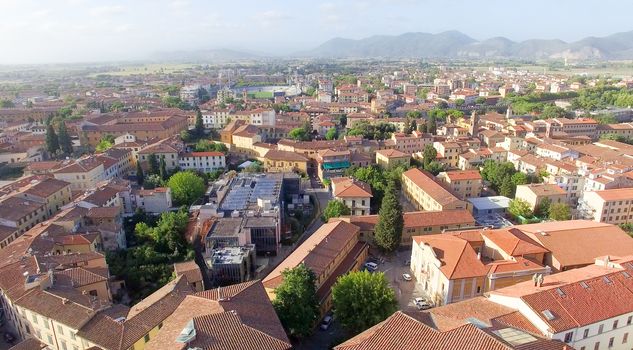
[
  {"x": 463, "y": 183},
  {"x": 388, "y": 158},
  {"x": 426, "y": 194},
  {"x": 284, "y": 161},
  {"x": 534, "y": 194}
]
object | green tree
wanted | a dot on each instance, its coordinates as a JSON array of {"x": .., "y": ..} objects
[
  {"x": 255, "y": 167},
  {"x": 154, "y": 167},
  {"x": 152, "y": 181},
  {"x": 186, "y": 187},
  {"x": 429, "y": 155},
  {"x": 105, "y": 143},
  {"x": 139, "y": 174},
  {"x": 559, "y": 212},
  {"x": 388, "y": 231},
  {"x": 6, "y": 103},
  {"x": 163, "y": 168},
  {"x": 199, "y": 126},
  {"x": 414, "y": 114},
  {"x": 334, "y": 209},
  {"x": 210, "y": 146},
  {"x": 52, "y": 142},
  {"x": 507, "y": 188},
  {"x": 519, "y": 178},
  {"x": 519, "y": 207},
  {"x": 65, "y": 143},
  {"x": 431, "y": 125},
  {"x": 422, "y": 127},
  {"x": 296, "y": 302},
  {"x": 331, "y": 134},
  {"x": 185, "y": 136},
  {"x": 543, "y": 208},
  {"x": 116, "y": 106},
  {"x": 413, "y": 126},
  {"x": 362, "y": 299},
  {"x": 459, "y": 102},
  {"x": 434, "y": 167}
]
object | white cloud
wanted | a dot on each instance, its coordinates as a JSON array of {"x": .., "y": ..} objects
[{"x": 106, "y": 10}]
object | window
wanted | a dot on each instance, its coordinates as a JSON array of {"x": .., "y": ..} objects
[
  {"x": 60, "y": 330},
  {"x": 625, "y": 338},
  {"x": 50, "y": 339},
  {"x": 615, "y": 324},
  {"x": 629, "y": 320},
  {"x": 600, "y": 329},
  {"x": 568, "y": 337},
  {"x": 611, "y": 342},
  {"x": 146, "y": 338},
  {"x": 585, "y": 334},
  {"x": 596, "y": 346}
]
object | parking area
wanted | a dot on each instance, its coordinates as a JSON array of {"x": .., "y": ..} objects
[{"x": 394, "y": 267}]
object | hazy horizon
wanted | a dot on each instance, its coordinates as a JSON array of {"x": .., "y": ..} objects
[{"x": 69, "y": 31}]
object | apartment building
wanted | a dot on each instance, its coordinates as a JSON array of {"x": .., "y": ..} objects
[
  {"x": 614, "y": 206},
  {"x": 284, "y": 161},
  {"x": 463, "y": 183},
  {"x": 332, "y": 251},
  {"x": 202, "y": 161},
  {"x": 143, "y": 127},
  {"x": 561, "y": 127},
  {"x": 534, "y": 194},
  {"x": 425, "y": 193},
  {"x": 582, "y": 308},
  {"x": 354, "y": 193},
  {"x": 473, "y": 262},
  {"x": 216, "y": 118},
  {"x": 156, "y": 201},
  {"x": 389, "y": 158},
  {"x": 332, "y": 163}
]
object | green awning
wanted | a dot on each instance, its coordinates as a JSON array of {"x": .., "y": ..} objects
[{"x": 336, "y": 165}]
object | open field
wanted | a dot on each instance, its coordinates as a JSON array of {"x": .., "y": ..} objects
[{"x": 150, "y": 68}]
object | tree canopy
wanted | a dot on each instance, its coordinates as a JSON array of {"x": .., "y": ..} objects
[
  {"x": 362, "y": 299},
  {"x": 334, "y": 209},
  {"x": 210, "y": 146},
  {"x": 186, "y": 187},
  {"x": 559, "y": 212},
  {"x": 65, "y": 143},
  {"x": 296, "y": 302},
  {"x": 519, "y": 207},
  {"x": 105, "y": 143},
  {"x": 379, "y": 131},
  {"x": 388, "y": 231},
  {"x": 52, "y": 142}
]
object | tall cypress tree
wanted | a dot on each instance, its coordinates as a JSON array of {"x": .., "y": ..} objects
[
  {"x": 199, "y": 127},
  {"x": 140, "y": 177},
  {"x": 153, "y": 164},
  {"x": 52, "y": 143},
  {"x": 163, "y": 168},
  {"x": 65, "y": 143},
  {"x": 388, "y": 232}
]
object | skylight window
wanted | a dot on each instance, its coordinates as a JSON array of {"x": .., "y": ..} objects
[
  {"x": 560, "y": 292},
  {"x": 548, "y": 315},
  {"x": 584, "y": 285}
]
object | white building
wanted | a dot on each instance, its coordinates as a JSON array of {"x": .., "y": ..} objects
[{"x": 202, "y": 161}]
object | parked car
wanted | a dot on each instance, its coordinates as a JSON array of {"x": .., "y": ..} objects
[
  {"x": 371, "y": 266},
  {"x": 422, "y": 304},
  {"x": 406, "y": 277},
  {"x": 325, "y": 324}
]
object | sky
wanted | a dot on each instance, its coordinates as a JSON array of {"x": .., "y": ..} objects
[{"x": 65, "y": 31}]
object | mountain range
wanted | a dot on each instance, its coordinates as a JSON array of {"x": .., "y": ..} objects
[{"x": 454, "y": 44}]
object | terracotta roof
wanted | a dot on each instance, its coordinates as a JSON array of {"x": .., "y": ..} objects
[
  {"x": 29, "y": 344},
  {"x": 189, "y": 269},
  {"x": 81, "y": 277},
  {"x": 392, "y": 153},
  {"x": 513, "y": 242},
  {"x": 202, "y": 154},
  {"x": 274, "y": 154},
  {"x": 544, "y": 189},
  {"x": 103, "y": 212},
  {"x": 454, "y": 175},
  {"x": 239, "y": 316},
  {"x": 317, "y": 252},
  {"x": 47, "y": 187},
  {"x": 415, "y": 219},
  {"x": 345, "y": 187},
  {"x": 427, "y": 183},
  {"x": 616, "y": 194},
  {"x": 403, "y": 332},
  {"x": 590, "y": 240},
  {"x": 458, "y": 259}
]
